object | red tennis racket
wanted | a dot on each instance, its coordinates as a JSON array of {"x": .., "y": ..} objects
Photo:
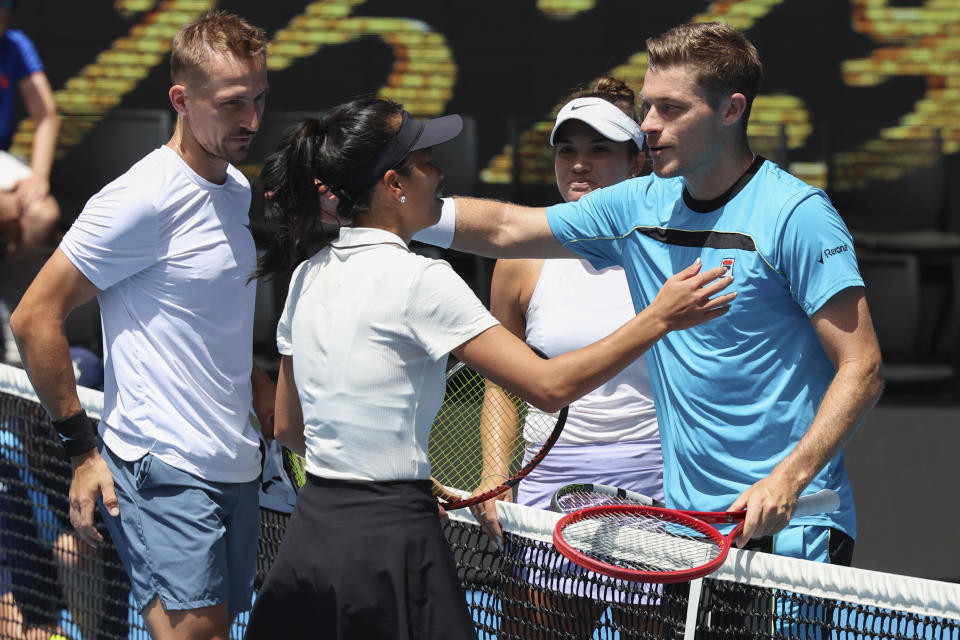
[{"x": 652, "y": 544}]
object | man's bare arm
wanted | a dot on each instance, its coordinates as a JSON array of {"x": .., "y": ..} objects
[
  {"x": 503, "y": 230},
  {"x": 38, "y": 325},
  {"x": 847, "y": 335}
]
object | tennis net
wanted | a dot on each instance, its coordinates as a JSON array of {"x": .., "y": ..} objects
[{"x": 523, "y": 589}]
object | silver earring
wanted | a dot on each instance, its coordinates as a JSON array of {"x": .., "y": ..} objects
[{"x": 403, "y": 199}]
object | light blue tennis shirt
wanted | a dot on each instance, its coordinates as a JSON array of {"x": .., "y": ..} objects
[{"x": 736, "y": 394}]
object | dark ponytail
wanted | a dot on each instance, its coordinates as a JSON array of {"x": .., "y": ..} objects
[
  {"x": 292, "y": 206},
  {"x": 348, "y": 138}
]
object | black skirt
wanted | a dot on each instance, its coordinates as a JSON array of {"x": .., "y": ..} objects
[{"x": 362, "y": 560}]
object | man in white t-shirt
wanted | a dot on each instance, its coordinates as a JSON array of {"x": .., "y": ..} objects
[{"x": 166, "y": 249}]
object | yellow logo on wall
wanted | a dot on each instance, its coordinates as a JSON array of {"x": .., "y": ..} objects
[{"x": 911, "y": 41}]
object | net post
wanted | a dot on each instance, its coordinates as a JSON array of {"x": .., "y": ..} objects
[{"x": 693, "y": 605}]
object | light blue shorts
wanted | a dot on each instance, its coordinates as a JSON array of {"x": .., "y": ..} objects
[{"x": 189, "y": 541}]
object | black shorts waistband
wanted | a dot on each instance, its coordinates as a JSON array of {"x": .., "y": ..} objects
[
  {"x": 320, "y": 481},
  {"x": 391, "y": 498}
]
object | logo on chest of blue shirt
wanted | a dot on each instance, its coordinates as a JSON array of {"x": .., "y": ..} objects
[
  {"x": 727, "y": 264},
  {"x": 832, "y": 251}
]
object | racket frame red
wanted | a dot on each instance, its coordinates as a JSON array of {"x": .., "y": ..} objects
[
  {"x": 701, "y": 521},
  {"x": 823, "y": 501}
]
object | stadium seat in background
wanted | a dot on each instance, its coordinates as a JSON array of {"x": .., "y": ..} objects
[
  {"x": 892, "y": 194},
  {"x": 109, "y": 148},
  {"x": 458, "y": 160},
  {"x": 908, "y": 322},
  {"x": 886, "y": 188}
]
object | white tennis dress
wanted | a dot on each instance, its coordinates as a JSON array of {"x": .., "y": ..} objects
[
  {"x": 574, "y": 305},
  {"x": 611, "y": 434}
]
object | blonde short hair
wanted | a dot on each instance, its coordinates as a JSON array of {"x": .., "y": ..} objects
[
  {"x": 215, "y": 32},
  {"x": 724, "y": 60}
]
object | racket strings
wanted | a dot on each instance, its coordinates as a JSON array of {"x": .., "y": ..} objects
[
  {"x": 293, "y": 466},
  {"x": 477, "y": 419},
  {"x": 574, "y": 501},
  {"x": 538, "y": 425},
  {"x": 641, "y": 542}
]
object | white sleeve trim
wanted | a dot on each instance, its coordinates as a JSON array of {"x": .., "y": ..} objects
[{"x": 441, "y": 234}]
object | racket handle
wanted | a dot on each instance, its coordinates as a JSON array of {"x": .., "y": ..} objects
[{"x": 823, "y": 501}]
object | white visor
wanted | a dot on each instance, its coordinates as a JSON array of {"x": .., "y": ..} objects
[{"x": 603, "y": 116}]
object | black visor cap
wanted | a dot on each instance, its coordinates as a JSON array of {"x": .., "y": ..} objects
[{"x": 412, "y": 135}]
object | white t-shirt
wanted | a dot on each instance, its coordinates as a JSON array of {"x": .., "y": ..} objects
[
  {"x": 171, "y": 253},
  {"x": 369, "y": 325},
  {"x": 572, "y": 306}
]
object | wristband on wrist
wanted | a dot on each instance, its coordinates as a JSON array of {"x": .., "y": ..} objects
[
  {"x": 76, "y": 433},
  {"x": 441, "y": 234}
]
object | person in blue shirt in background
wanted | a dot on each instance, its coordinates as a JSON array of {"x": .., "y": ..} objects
[{"x": 28, "y": 213}]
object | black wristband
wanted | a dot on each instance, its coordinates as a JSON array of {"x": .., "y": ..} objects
[{"x": 77, "y": 434}]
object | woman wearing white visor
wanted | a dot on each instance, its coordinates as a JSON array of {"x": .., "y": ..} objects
[{"x": 611, "y": 435}]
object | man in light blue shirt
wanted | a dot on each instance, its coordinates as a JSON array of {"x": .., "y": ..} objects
[{"x": 754, "y": 407}]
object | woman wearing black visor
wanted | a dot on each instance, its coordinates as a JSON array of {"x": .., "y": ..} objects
[{"x": 364, "y": 336}]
